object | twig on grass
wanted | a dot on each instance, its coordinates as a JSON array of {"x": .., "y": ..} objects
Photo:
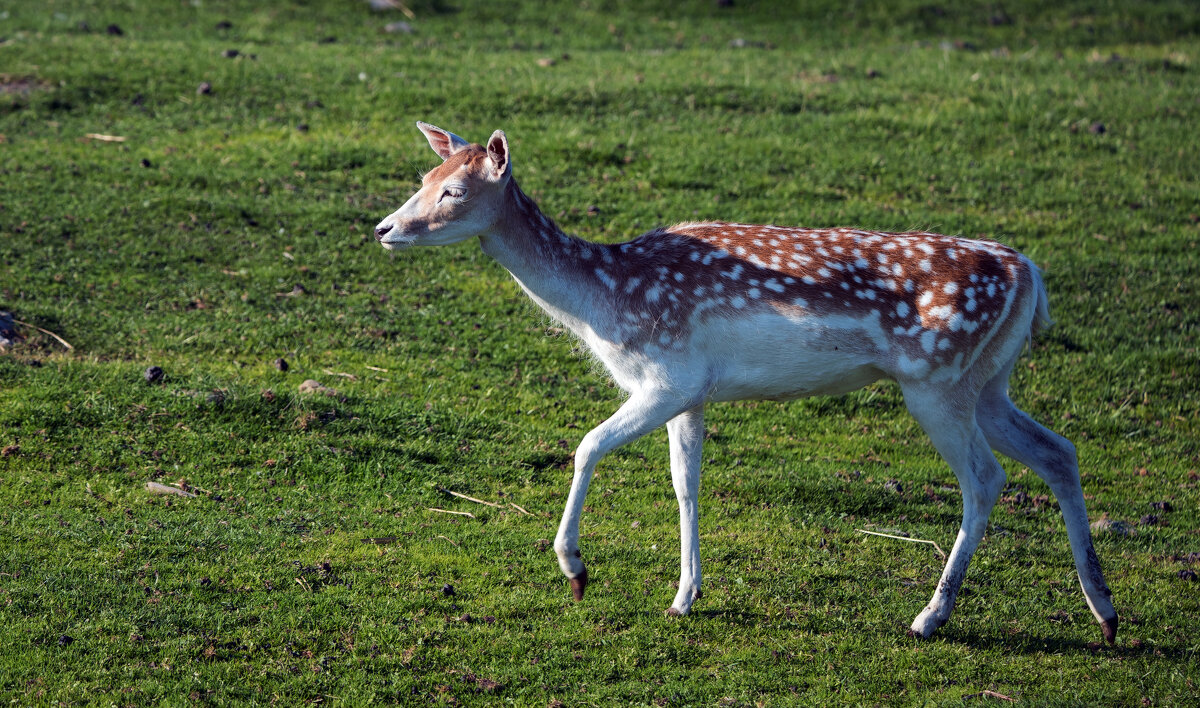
[
  {"x": 452, "y": 543},
  {"x": 343, "y": 374},
  {"x": 911, "y": 540},
  {"x": 375, "y": 368},
  {"x": 471, "y": 499},
  {"x": 991, "y": 694},
  {"x": 60, "y": 340},
  {"x": 521, "y": 509},
  {"x": 156, "y": 488},
  {"x": 380, "y": 540},
  {"x": 105, "y": 138},
  {"x": 444, "y": 511}
]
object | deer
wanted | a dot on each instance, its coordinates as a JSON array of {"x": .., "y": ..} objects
[{"x": 698, "y": 313}]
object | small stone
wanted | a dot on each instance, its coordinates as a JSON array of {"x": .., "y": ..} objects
[
  {"x": 546, "y": 62},
  {"x": 311, "y": 386},
  {"x": 1107, "y": 525},
  {"x": 153, "y": 375},
  {"x": 204, "y": 89},
  {"x": 281, "y": 364},
  {"x": 8, "y": 331},
  {"x": 448, "y": 590}
]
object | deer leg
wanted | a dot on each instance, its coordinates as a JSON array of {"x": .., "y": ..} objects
[
  {"x": 686, "y": 434},
  {"x": 980, "y": 477},
  {"x": 642, "y": 413},
  {"x": 1014, "y": 434}
]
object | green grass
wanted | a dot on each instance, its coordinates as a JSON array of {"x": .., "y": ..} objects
[{"x": 309, "y": 568}]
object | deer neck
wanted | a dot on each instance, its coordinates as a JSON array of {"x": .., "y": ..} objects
[{"x": 557, "y": 270}]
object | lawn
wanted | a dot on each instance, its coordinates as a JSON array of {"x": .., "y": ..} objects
[{"x": 192, "y": 186}]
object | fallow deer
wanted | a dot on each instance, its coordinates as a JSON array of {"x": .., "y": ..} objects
[{"x": 703, "y": 312}]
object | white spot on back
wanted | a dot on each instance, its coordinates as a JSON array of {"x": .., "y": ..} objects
[{"x": 605, "y": 278}]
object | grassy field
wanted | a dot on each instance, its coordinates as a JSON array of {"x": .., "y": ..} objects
[{"x": 230, "y": 227}]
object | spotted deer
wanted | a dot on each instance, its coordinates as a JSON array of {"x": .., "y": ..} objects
[{"x": 703, "y": 312}]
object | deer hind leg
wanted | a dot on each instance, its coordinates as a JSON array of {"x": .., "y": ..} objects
[
  {"x": 1014, "y": 434},
  {"x": 952, "y": 428},
  {"x": 640, "y": 414},
  {"x": 686, "y": 434}
]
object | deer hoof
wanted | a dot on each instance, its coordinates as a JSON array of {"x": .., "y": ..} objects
[
  {"x": 926, "y": 624},
  {"x": 1109, "y": 627},
  {"x": 578, "y": 585},
  {"x": 672, "y": 612}
]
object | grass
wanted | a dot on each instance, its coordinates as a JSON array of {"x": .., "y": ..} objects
[{"x": 232, "y": 228}]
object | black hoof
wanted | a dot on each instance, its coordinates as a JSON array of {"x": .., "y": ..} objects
[
  {"x": 578, "y": 585},
  {"x": 1109, "y": 627}
]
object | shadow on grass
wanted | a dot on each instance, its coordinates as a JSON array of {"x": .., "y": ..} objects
[{"x": 1032, "y": 644}]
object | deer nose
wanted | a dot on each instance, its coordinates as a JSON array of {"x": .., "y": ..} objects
[{"x": 382, "y": 231}]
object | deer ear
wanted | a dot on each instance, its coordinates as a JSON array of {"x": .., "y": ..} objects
[
  {"x": 497, "y": 150},
  {"x": 443, "y": 142}
]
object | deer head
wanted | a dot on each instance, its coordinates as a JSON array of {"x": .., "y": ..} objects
[{"x": 459, "y": 199}]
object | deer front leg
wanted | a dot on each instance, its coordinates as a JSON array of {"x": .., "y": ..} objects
[
  {"x": 981, "y": 478},
  {"x": 642, "y": 413},
  {"x": 686, "y": 434},
  {"x": 962, "y": 444}
]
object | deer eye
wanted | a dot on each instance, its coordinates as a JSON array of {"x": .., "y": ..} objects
[{"x": 452, "y": 193}]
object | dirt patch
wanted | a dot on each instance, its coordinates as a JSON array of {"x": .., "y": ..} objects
[{"x": 13, "y": 85}]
